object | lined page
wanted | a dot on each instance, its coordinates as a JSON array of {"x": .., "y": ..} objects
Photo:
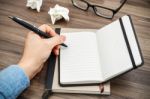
[{"x": 79, "y": 63}]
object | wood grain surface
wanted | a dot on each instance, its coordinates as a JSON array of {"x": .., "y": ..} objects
[{"x": 135, "y": 84}]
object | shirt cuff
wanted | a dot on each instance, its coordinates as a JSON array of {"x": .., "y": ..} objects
[{"x": 13, "y": 81}]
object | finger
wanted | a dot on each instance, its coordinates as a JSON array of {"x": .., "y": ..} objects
[
  {"x": 56, "y": 49},
  {"x": 47, "y": 29},
  {"x": 32, "y": 35},
  {"x": 56, "y": 40},
  {"x": 56, "y": 52}
]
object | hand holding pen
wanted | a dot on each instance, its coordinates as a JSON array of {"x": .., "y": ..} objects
[
  {"x": 32, "y": 28},
  {"x": 37, "y": 50}
]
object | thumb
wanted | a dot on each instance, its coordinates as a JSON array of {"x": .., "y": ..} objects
[{"x": 56, "y": 40}]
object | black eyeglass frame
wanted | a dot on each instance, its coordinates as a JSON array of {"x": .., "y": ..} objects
[{"x": 114, "y": 11}]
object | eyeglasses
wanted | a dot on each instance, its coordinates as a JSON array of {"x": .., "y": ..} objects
[{"x": 99, "y": 10}]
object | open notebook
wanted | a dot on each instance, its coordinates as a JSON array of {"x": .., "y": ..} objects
[
  {"x": 95, "y": 57},
  {"x": 52, "y": 76}
]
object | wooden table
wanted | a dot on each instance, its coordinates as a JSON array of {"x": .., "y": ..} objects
[{"x": 135, "y": 84}]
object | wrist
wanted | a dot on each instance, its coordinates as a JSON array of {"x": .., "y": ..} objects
[{"x": 28, "y": 67}]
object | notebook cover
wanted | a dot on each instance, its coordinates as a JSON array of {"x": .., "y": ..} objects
[{"x": 50, "y": 73}]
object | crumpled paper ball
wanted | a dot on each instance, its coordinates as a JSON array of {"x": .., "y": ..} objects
[
  {"x": 58, "y": 12},
  {"x": 34, "y": 4}
]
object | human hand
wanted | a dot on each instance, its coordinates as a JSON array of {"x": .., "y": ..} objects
[{"x": 37, "y": 50}]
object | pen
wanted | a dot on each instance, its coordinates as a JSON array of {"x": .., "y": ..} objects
[{"x": 32, "y": 28}]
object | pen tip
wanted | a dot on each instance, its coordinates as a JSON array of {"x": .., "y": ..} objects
[
  {"x": 10, "y": 17},
  {"x": 64, "y": 45}
]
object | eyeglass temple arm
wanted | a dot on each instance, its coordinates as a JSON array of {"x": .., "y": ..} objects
[{"x": 123, "y": 2}]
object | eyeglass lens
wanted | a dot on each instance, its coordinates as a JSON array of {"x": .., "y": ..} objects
[
  {"x": 100, "y": 11},
  {"x": 103, "y": 12},
  {"x": 80, "y": 4}
]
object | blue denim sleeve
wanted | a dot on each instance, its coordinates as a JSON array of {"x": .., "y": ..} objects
[{"x": 13, "y": 81}]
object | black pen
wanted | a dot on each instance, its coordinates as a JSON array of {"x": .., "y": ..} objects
[{"x": 32, "y": 28}]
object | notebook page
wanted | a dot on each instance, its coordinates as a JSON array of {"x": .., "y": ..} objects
[
  {"x": 114, "y": 56},
  {"x": 79, "y": 63},
  {"x": 93, "y": 89}
]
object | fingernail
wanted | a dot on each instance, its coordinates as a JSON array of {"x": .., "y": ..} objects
[
  {"x": 57, "y": 52},
  {"x": 62, "y": 38}
]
